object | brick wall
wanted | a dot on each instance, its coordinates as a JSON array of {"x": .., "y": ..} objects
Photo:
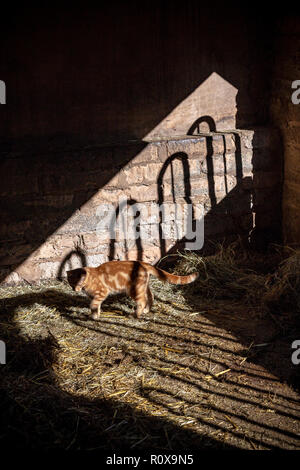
[
  {"x": 232, "y": 176},
  {"x": 102, "y": 103}
]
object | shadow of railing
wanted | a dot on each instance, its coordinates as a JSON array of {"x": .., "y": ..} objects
[
  {"x": 182, "y": 157},
  {"x": 37, "y": 413},
  {"x": 74, "y": 256},
  {"x": 123, "y": 226},
  {"x": 251, "y": 210},
  {"x": 229, "y": 219},
  {"x": 222, "y": 219}
]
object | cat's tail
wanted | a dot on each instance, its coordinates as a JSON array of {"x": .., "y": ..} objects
[{"x": 172, "y": 278}]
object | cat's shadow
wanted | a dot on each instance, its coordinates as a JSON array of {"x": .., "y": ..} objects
[
  {"x": 74, "y": 306},
  {"x": 117, "y": 304}
]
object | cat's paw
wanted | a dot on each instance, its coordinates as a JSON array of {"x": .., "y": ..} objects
[{"x": 95, "y": 316}]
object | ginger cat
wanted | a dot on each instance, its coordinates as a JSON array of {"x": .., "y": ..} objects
[{"x": 112, "y": 277}]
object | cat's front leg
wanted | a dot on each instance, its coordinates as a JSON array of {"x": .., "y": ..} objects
[{"x": 96, "y": 307}]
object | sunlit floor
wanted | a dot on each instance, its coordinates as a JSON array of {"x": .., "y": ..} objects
[{"x": 182, "y": 377}]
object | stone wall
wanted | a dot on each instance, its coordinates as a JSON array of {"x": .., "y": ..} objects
[
  {"x": 106, "y": 102},
  {"x": 286, "y": 116},
  {"x": 54, "y": 211}
]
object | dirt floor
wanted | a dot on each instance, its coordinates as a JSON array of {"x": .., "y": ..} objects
[{"x": 190, "y": 375}]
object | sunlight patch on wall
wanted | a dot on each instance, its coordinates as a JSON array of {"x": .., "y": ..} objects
[{"x": 215, "y": 97}]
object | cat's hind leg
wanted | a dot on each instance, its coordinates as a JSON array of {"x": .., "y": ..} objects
[
  {"x": 149, "y": 301},
  {"x": 140, "y": 307},
  {"x": 141, "y": 300},
  {"x": 138, "y": 291}
]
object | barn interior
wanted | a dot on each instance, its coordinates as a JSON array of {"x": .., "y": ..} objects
[{"x": 138, "y": 104}]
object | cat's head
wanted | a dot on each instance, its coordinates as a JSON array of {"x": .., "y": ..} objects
[{"x": 76, "y": 278}]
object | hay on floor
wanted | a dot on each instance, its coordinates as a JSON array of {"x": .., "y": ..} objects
[{"x": 190, "y": 374}]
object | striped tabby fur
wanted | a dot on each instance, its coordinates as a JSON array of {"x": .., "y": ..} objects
[{"x": 112, "y": 277}]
